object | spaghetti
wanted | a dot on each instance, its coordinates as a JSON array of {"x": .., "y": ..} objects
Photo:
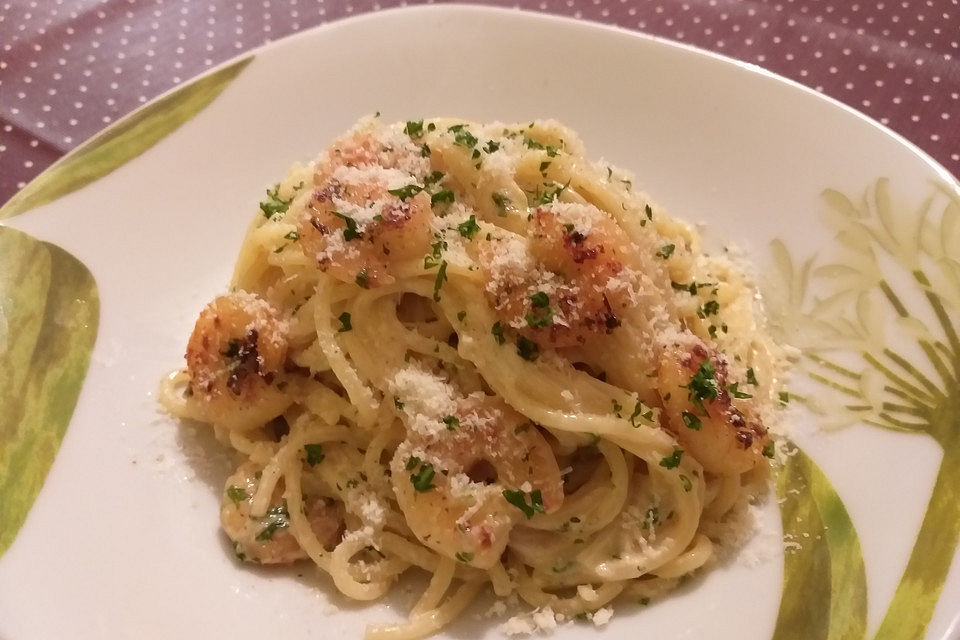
[{"x": 467, "y": 349}]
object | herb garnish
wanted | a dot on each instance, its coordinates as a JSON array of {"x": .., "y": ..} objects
[
  {"x": 672, "y": 460},
  {"x": 237, "y": 494},
  {"x": 444, "y": 195},
  {"x": 277, "y": 518},
  {"x": 519, "y": 500},
  {"x": 497, "y": 331},
  {"x": 452, "y": 422},
  {"x": 703, "y": 385},
  {"x": 414, "y": 129},
  {"x": 440, "y": 279},
  {"x": 527, "y": 349},
  {"x": 406, "y": 192},
  {"x": 666, "y": 251},
  {"x": 734, "y": 390},
  {"x": 362, "y": 279},
  {"x": 314, "y": 453},
  {"x": 422, "y": 480},
  {"x": 501, "y": 201},
  {"x": 350, "y": 231},
  {"x": 469, "y": 227},
  {"x": 691, "y": 420},
  {"x": 274, "y": 204}
]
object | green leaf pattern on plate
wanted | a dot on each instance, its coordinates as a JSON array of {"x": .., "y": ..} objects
[
  {"x": 824, "y": 588},
  {"x": 49, "y": 310},
  {"x": 123, "y": 141},
  {"x": 897, "y": 271}
]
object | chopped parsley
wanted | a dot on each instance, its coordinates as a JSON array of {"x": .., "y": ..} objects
[
  {"x": 544, "y": 166},
  {"x": 540, "y": 299},
  {"x": 533, "y": 144},
  {"x": 452, "y": 422},
  {"x": 433, "y": 178},
  {"x": 519, "y": 500},
  {"x": 734, "y": 390},
  {"x": 397, "y": 404},
  {"x": 412, "y": 463},
  {"x": 422, "y": 480},
  {"x": 277, "y": 518},
  {"x": 237, "y": 494},
  {"x": 540, "y": 320},
  {"x": 406, "y": 192},
  {"x": 617, "y": 408},
  {"x": 292, "y": 235},
  {"x": 666, "y": 251},
  {"x": 274, "y": 204},
  {"x": 501, "y": 201},
  {"x": 709, "y": 308},
  {"x": 672, "y": 460},
  {"x": 691, "y": 420},
  {"x": 345, "y": 325},
  {"x": 314, "y": 453},
  {"x": 464, "y": 556},
  {"x": 469, "y": 227},
  {"x": 703, "y": 385},
  {"x": 432, "y": 259},
  {"x": 752, "y": 377},
  {"x": 444, "y": 195},
  {"x": 461, "y": 315},
  {"x": 362, "y": 279},
  {"x": 685, "y": 482},
  {"x": 550, "y": 193},
  {"x": 491, "y": 146},
  {"x": 350, "y": 231},
  {"x": 414, "y": 128},
  {"x": 497, "y": 331},
  {"x": 784, "y": 397},
  {"x": 462, "y": 137},
  {"x": 527, "y": 349},
  {"x": 440, "y": 279},
  {"x": 769, "y": 449},
  {"x": 638, "y": 412},
  {"x": 238, "y": 551}
]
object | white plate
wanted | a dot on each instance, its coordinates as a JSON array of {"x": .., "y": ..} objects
[{"x": 123, "y": 539}]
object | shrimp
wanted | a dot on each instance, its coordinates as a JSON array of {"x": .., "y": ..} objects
[
  {"x": 268, "y": 539},
  {"x": 698, "y": 408},
  {"x": 235, "y": 361},
  {"x": 359, "y": 231},
  {"x": 451, "y": 487},
  {"x": 378, "y": 146},
  {"x": 582, "y": 280}
]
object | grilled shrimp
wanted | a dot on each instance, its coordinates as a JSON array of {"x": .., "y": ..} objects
[
  {"x": 267, "y": 539},
  {"x": 358, "y": 230},
  {"x": 451, "y": 487},
  {"x": 378, "y": 146},
  {"x": 235, "y": 358},
  {"x": 583, "y": 277},
  {"x": 699, "y": 409}
]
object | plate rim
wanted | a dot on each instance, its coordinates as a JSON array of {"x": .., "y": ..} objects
[{"x": 250, "y": 55}]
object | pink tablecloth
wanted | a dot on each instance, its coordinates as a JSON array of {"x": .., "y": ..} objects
[{"x": 68, "y": 68}]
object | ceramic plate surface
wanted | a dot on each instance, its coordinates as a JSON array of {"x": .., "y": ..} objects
[{"x": 107, "y": 258}]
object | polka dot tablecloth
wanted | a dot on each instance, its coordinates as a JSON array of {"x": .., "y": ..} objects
[{"x": 68, "y": 68}]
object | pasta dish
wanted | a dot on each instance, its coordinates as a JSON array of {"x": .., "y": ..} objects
[{"x": 469, "y": 350}]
